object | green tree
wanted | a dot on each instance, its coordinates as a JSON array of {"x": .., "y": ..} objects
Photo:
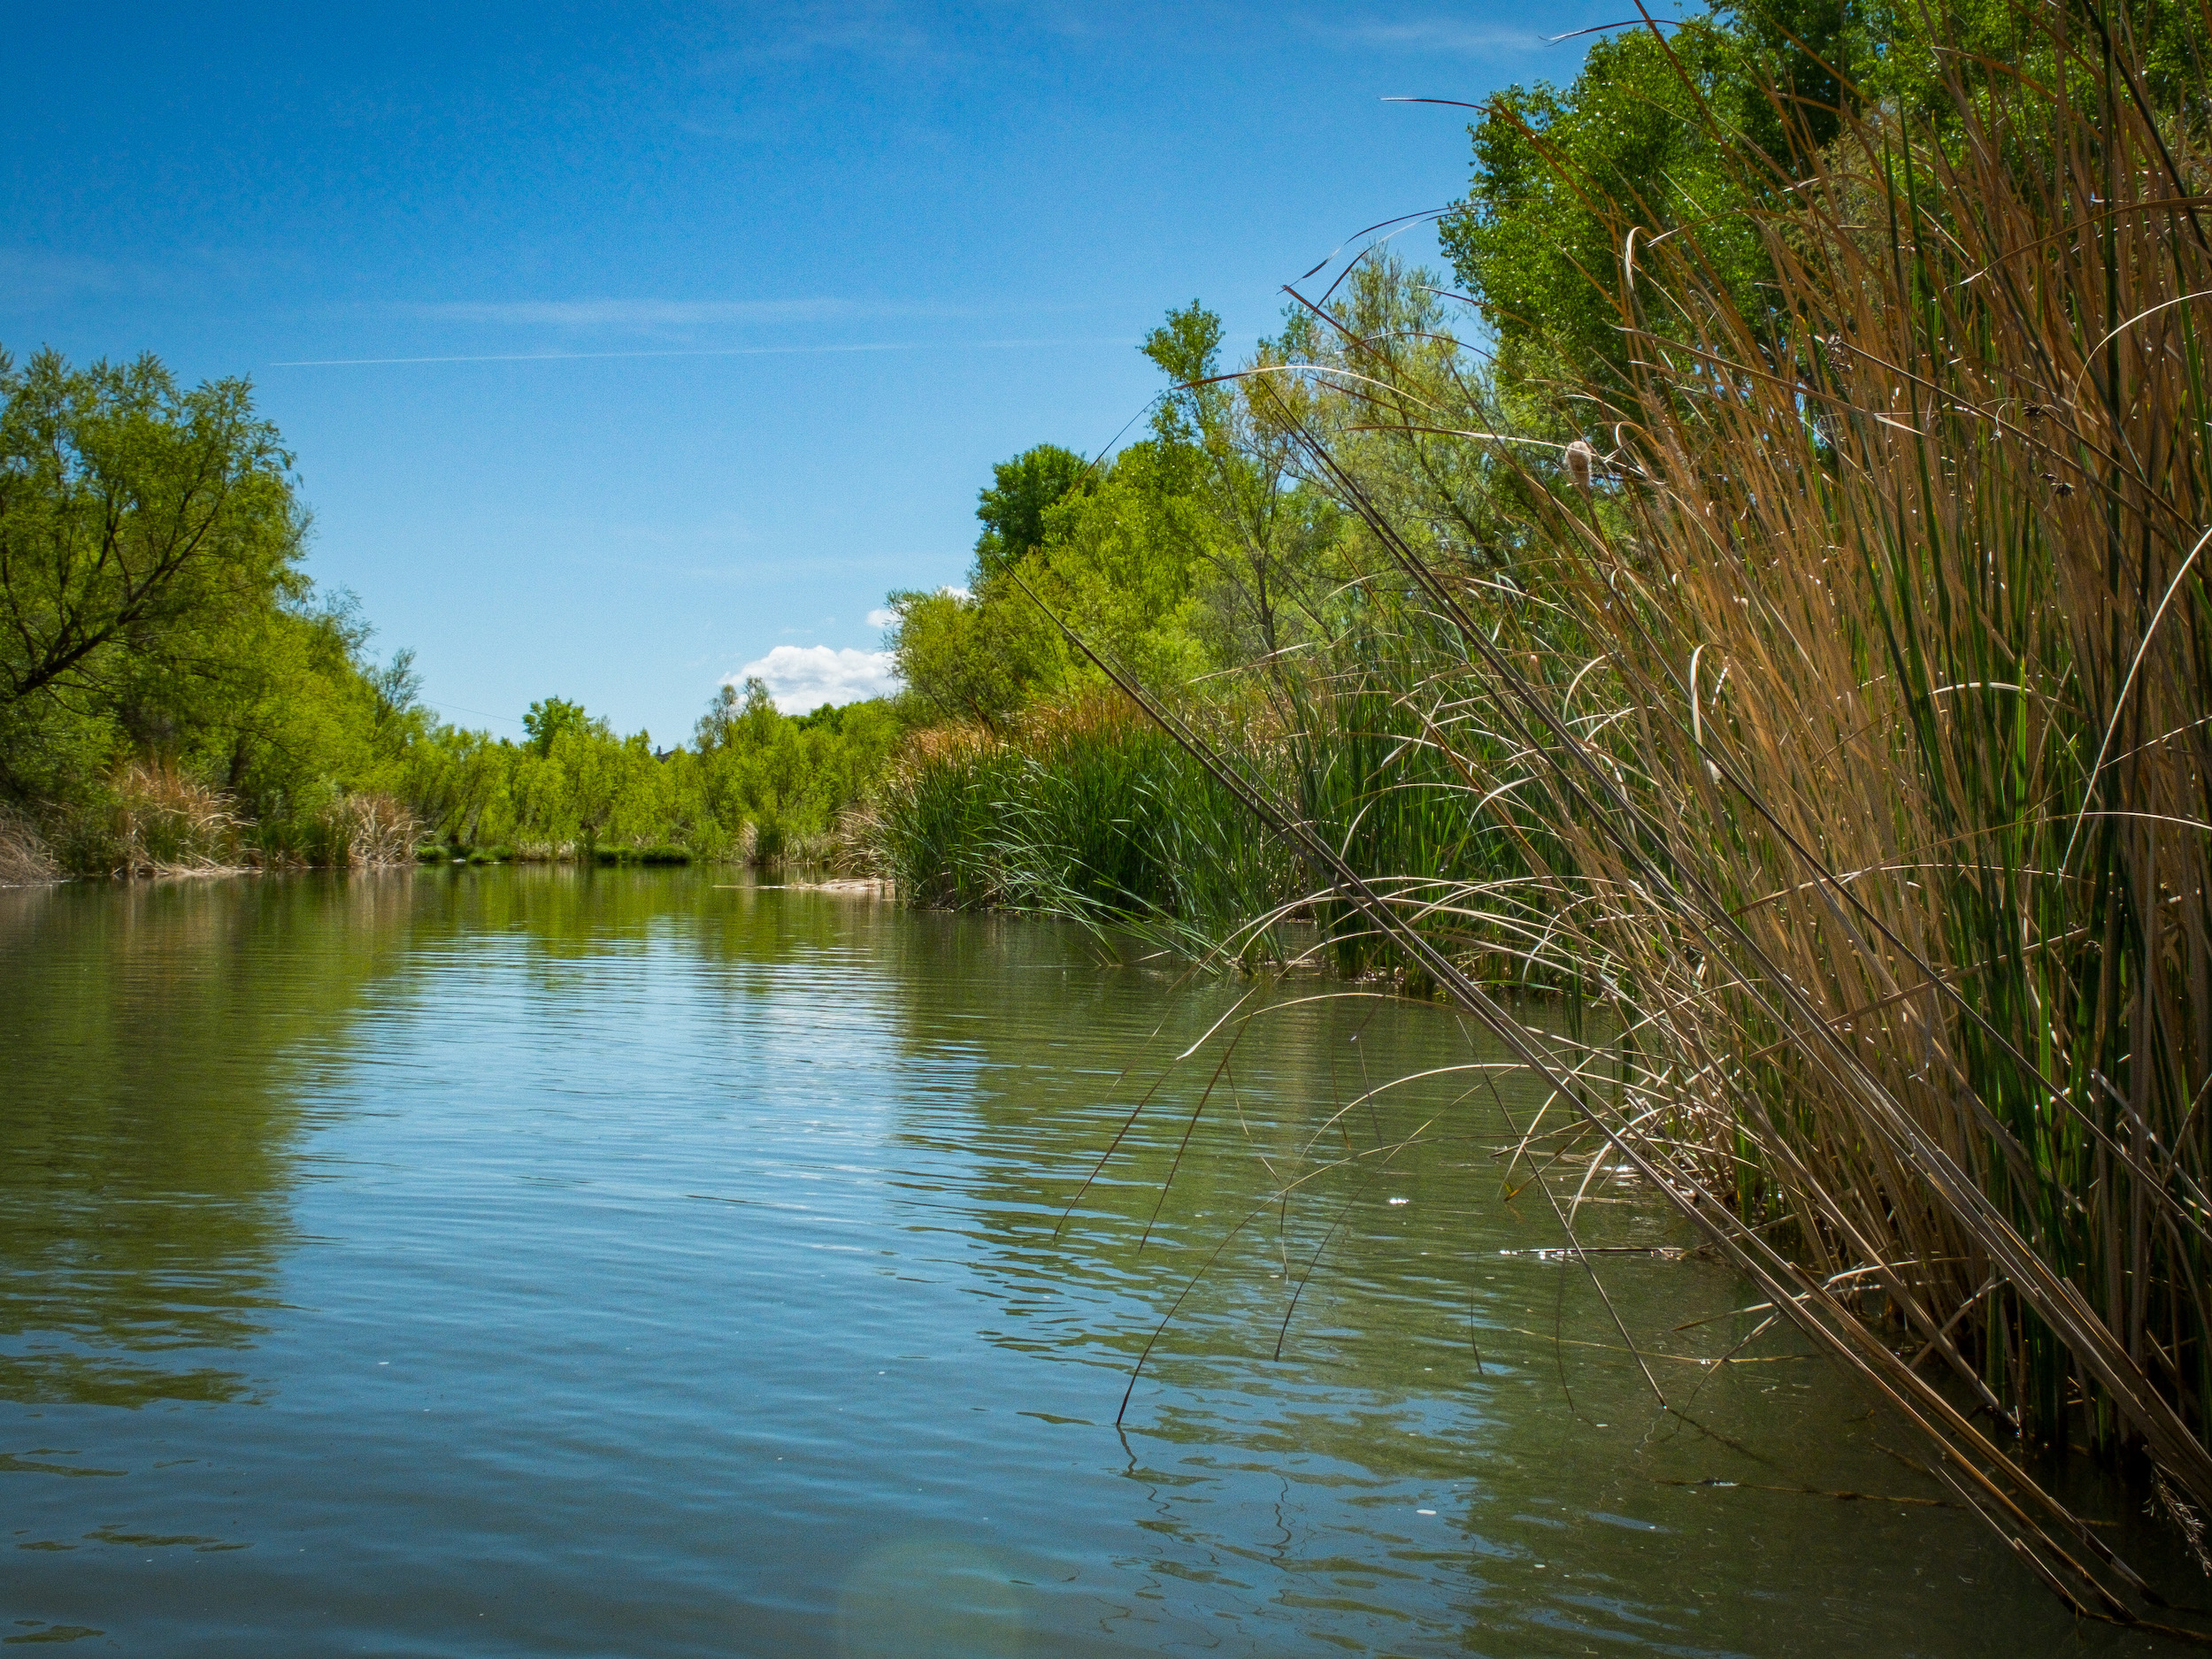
[
  {"x": 548, "y": 718},
  {"x": 974, "y": 656},
  {"x": 1706, "y": 127},
  {"x": 1394, "y": 386},
  {"x": 1562, "y": 177},
  {"x": 737, "y": 718},
  {"x": 1013, "y": 507},
  {"x": 1121, "y": 566},
  {"x": 1227, "y": 444},
  {"x": 146, "y": 533}
]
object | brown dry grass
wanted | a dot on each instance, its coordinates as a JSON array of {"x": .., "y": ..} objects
[
  {"x": 25, "y": 859},
  {"x": 169, "y": 824},
  {"x": 1853, "y": 722},
  {"x": 376, "y": 830}
]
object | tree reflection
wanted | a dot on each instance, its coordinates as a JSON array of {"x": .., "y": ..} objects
[
  {"x": 169, "y": 1050},
  {"x": 155, "y": 1034},
  {"x": 162, "y": 1040}
]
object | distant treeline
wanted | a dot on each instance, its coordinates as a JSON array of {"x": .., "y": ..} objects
[
  {"x": 176, "y": 695},
  {"x": 752, "y": 783}
]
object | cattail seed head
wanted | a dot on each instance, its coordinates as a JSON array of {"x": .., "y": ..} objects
[{"x": 1579, "y": 455}]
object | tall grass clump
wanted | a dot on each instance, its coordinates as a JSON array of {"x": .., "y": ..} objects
[
  {"x": 1356, "y": 756},
  {"x": 25, "y": 859},
  {"x": 1082, "y": 810},
  {"x": 1086, "y": 812},
  {"x": 377, "y": 830},
  {"x": 167, "y": 823},
  {"x": 158, "y": 819},
  {"x": 363, "y": 830},
  {"x": 1850, "y": 711}
]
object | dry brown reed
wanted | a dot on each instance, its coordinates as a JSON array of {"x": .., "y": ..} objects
[
  {"x": 1854, "y": 727},
  {"x": 375, "y": 830},
  {"x": 167, "y": 823},
  {"x": 25, "y": 859},
  {"x": 170, "y": 823}
]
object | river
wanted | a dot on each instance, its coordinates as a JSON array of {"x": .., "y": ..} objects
[{"x": 550, "y": 1262}]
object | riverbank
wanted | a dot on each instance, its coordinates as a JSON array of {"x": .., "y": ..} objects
[{"x": 1831, "y": 696}]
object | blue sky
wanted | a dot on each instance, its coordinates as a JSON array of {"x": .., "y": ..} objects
[{"x": 620, "y": 346}]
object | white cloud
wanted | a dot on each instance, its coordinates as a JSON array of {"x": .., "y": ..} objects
[
  {"x": 880, "y": 617},
  {"x": 802, "y": 678}
]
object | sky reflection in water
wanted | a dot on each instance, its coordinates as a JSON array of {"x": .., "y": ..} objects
[{"x": 545, "y": 1261}]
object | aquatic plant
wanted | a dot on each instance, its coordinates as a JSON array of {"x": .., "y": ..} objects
[
  {"x": 659, "y": 855},
  {"x": 361, "y": 829},
  {"x": 1080, "y": 809},
  {"x": 1847, "y": 704}
]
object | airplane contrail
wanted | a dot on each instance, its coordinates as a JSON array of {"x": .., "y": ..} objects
[{"x": 731, "y": 351}]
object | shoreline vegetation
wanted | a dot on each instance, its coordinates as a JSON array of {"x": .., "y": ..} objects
[
  {"x": 1759, "y": 592},
  {"x": 178, "y": 698},
  {"x": 1790, "y": 633}
]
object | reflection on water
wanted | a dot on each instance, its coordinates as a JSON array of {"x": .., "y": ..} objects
[
  {"x": 553, "y": 1261},
  {"x": 152, "y": 1037}
]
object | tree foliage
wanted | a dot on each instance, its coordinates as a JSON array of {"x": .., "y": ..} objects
[
  {"x": 1022, "y": 492},
  {"x": 136, "y": 519},
  {"x": 150, "y": 544},
  {"x": 1704, "y": 129},
  {"x": 1563, "y": 176},
  {"x": 548, "y": 719}
]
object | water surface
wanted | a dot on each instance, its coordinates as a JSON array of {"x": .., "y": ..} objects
[{"x": 525, "y": 1262}]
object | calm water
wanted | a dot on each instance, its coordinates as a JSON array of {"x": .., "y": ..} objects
[{"x": 550, "y": 1262}]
